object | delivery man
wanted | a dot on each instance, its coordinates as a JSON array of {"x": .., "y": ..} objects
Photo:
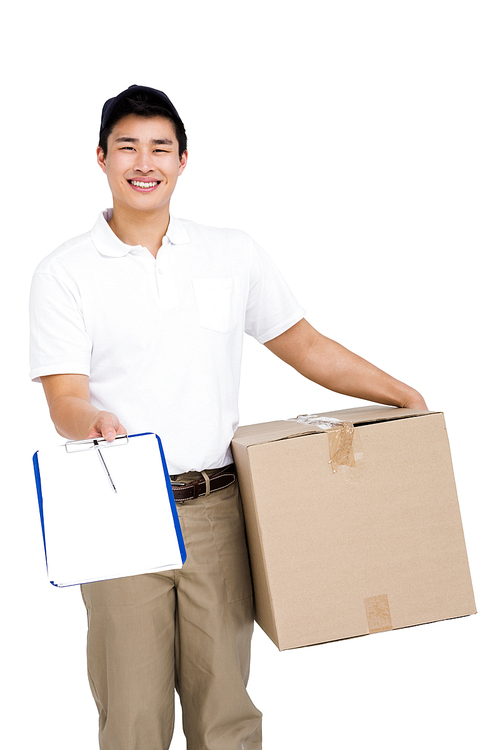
[{"x": 138, "y": 326}]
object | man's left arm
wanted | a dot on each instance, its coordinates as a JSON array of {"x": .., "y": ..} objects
[{"x": 331, "y": 365}]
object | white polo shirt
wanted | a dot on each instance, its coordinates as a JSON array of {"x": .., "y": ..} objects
[{"x": 160, "y": 339}]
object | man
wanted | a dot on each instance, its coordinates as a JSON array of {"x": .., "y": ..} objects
[{"x": 138, "y": 325}]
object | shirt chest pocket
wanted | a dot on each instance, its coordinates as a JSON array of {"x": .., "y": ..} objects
[{"x": 216, "y": 300}]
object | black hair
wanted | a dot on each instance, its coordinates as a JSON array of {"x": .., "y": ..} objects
[{"x": 142, "y": 105}]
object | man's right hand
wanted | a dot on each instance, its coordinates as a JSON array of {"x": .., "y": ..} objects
[{"x": 106, "y": 425}]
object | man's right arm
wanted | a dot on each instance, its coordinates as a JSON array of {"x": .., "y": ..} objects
[{"x": 74, "y": 417}]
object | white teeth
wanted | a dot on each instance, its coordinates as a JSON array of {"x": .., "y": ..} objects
[{"x": 136, "y": 183}]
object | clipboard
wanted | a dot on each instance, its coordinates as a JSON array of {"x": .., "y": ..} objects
[{"x": 107, "y": 509}]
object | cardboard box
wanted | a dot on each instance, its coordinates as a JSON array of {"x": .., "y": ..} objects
[{"x": 353, "y": 529}]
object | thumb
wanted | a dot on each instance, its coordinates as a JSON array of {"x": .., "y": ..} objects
[
  {"x": 106, "y": 425},
  {"x": 108, "y": 432}
]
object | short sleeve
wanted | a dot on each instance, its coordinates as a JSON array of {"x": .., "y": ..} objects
[
  {"x": 59, "y": 343},
  {"x": 271, "y": 308}
]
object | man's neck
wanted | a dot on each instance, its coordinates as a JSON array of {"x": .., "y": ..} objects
[{"x": 140, "y": 227}]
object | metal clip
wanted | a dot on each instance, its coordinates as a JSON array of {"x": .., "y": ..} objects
[{"x": 73, "y": 446}]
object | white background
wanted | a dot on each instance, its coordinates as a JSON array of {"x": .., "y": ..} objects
[{"x": 358, "y": 142}]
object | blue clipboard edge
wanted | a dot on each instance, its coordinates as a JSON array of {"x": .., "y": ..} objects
[
  {"x": 180, "y": 539},
  {"x": 38, "y": 481},
  {"x": 177, "y": 525}
]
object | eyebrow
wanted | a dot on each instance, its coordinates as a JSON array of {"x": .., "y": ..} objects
[{"x": 153, "y": 141}]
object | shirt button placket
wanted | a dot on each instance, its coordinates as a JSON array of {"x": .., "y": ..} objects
[
  {"x": 167, "y": 295},
  {"x": 159, "y": 280}
]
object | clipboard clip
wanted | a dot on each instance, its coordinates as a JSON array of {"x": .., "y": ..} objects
[
  {"x": 72, "y": 446},
  {"x": 75, "y": 446}
]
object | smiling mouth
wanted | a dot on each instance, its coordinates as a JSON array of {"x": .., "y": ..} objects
[{"x": 141, "y": 185}]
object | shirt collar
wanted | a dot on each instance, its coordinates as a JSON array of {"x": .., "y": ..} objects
[
  {"x": 109, "y": 244},
  {"x": 177, "y": 232}
]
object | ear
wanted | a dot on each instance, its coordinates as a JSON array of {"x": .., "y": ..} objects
[
  {"x": 101, "y": 159},
  {"x": 183, "y": 162}
]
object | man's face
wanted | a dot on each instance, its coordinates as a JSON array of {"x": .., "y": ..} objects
[{"x": 142, "y": 164}]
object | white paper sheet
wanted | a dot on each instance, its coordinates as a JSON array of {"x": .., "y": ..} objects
[{"x": 93, "y": 533}]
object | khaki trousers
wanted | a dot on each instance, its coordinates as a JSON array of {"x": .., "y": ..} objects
[{"x": 187, "y": 629}]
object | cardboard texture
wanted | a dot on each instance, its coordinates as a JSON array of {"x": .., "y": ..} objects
[{"x": 342, "y": 548}]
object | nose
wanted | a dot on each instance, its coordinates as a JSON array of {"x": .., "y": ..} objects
[
  {"x": 143, "y": 168},
  {"x": 143, "y": 163}
]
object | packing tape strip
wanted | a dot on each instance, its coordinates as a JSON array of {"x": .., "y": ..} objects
[
  {"x": 378, "y": 613},
  {"x": 340, "y": 438}
]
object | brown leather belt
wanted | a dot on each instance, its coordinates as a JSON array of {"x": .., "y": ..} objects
[{"x": 190, "y": 490}]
